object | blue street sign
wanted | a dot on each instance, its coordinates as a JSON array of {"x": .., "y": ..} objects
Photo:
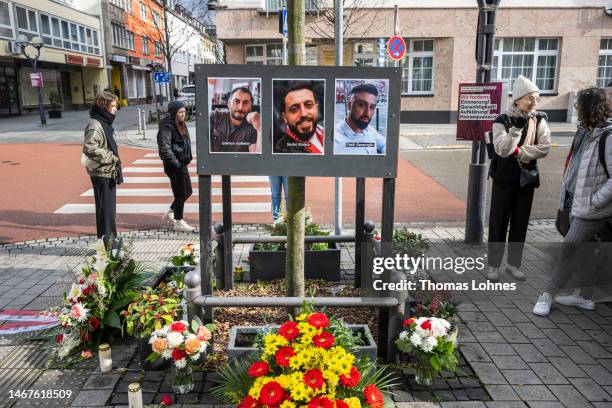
[
  {"x": 382, "y": 47},
  {"x": 284, "y": 11},
  {"x": 162, "y": 77}
]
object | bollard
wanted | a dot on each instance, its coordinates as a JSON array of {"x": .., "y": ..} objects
[
  {"x": 139, "y": 122},
  {"x": 219, "y": 257},
  {"x": 144, "y": 126},
  {"x": 367, "y": 264},
  {"x": 192, "y": 291}
]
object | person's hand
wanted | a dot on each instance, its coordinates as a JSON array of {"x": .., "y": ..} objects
[
  {"x": 254, "y": 119},
  {"x": 518, "y": 121}
]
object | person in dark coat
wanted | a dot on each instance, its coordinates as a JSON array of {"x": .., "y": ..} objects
[
  {"x": 100, "y": 157},
  {"x": 175, "y": 151}
]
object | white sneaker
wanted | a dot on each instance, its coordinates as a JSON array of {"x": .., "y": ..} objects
[
  {"x": 575, "y": 299},
  {"x": 514, "y": 271},
  {"x": 181, "y": 225},
  {"x": 493, "y": 274},
  {"x": 168, "y": 217},
  {"x": 542, "y": 307}
]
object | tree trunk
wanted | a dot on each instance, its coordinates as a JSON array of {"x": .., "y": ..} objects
[{"x": 294, "y": 265}]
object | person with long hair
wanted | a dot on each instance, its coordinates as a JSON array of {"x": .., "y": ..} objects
[
  {"x": 101, "y": 159},
  {"x": 175, "y": 151},
  {"x": 521, "y": 136},
  {"x": 591, "y": 207}
]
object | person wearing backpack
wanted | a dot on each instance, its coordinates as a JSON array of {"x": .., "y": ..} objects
[
  {"x": 591, "y": 208},
  {"x": 520, "y": 137},
  {"x": 100, "y": 156}
]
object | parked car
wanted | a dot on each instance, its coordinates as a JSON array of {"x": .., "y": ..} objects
[{"x": 187, "y": 96}]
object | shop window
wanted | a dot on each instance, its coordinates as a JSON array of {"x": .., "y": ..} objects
[
  {"x": 268, "y": 54},
  {"x": 6, "y": 25},
  {"x": 26, "y": 22}
]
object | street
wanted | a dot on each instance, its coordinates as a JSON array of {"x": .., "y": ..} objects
[{"x": 47, "y": 192}]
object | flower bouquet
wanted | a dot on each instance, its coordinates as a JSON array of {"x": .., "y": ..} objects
[
  {"x": 425, "y": 337},
  {"x": 106, "y": 284},
  {"x": 303, "y": 364},
  {"x": 184, "y": 345},
  {"x": 184, "y": 260}
]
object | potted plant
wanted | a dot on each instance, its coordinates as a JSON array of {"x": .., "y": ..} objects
[
  {"x": 153, "y": 309},
  {"x": 321, "y": 260},
  {"x": 407, "y": 242},
  {"x": 425, "y": 339},
  {"x": 183, "y": 344},
  {"x": 56, "y": 101},
  {"x": 303, "y": 363},
  {"x": 437, "y": 304}
]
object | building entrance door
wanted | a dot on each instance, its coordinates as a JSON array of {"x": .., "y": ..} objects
[
  {"x": 66, "y": 90},
  {"x": 9, "y": 94}
]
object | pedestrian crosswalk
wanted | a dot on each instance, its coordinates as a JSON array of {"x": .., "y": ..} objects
[{"x": 146, "y": 190}]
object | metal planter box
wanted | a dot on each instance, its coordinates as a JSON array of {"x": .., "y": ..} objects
[
  {"x": 324, "y": 264},
  {"x": 235, "y": 351}
]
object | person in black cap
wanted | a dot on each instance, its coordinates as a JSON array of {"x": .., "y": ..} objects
[{"x": 175, "y": 151}]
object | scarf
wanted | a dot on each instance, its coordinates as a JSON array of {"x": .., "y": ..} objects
[
  {"x": 315, "y": 142},
  {"x": 106, "y": 120},
  {"x": 532, "y": 121}
]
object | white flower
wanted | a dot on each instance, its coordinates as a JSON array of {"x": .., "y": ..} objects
[
  {"x": 78, "y": 312},
  {"x": 153, "y": 339},
  {"x": 403, "y": 335},
  {"x": 101, "y": 288},
  {"x": 69, "y": 342},
  {"x": 195, "y": 356},
  {"x": 117, "y": 254},
  {"x": 203, "y": 346},
  {"x": 415, "y": 339},
  {"x": 180, "y": 363},
  {"x": 175, "y": 339},
  {"x": 429, "y": 343},
  {"x": 75, "y": 292},
  {"x": 167, "y": 354},
  {"x": 100, "y": 265},
  {"x": 100, "y": 249}
]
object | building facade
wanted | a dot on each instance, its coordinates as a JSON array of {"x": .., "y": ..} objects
[
  {"x": 562, "y": 45},
  {"x": 71, "y": 60}
]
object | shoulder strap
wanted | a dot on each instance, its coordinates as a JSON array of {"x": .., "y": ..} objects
[{"x": 602, "y": 150}]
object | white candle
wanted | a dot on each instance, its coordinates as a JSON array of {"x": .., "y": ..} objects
[
  {"x": 106, "y": 360},
  {"x": 134, "y": 395}
]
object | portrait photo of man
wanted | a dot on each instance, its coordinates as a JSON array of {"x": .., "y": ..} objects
[
  {"x": 360, "y": 117},
  {"x": 298, "y": 116},
  {"x": 235, "y": 125}
]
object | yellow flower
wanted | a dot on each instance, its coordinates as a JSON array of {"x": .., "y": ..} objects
[
  {"x": 353, "y": 402},
  {"x": 287, "y": 404}
]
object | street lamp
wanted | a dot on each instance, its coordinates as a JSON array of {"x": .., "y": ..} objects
[{"x": 37, "y": 43}]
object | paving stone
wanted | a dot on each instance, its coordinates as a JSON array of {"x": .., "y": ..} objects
[
  {"x": 569, "y": 395},
  {"x": 530, "y": 330},
  {"x": 602, "y": 404},
  {"x": 101, "y": 382},
  {"x": 92, "y": 398},
  {"x": 521, "y": 377},
  {"x": 477, "y": 394},
  {"x": 559, "y": 337},
  {"x": 583, "y": 322},
  {"x": 548, "y": 373},
  {"x": 463, "y": 404},
  {"x": 545, "y": 404},
  {"x": 461, "y": 395},
  {"x": 499, "y": 319},
  {"x": 489, "y": 337},
  {"x": 513, "y": 335},
  {"x": 599, "y": 373},
  {"x": 505, "y": 404},
  {"x": 509, "y": 362},
  {"x": 594, "y": 349},
  {"x": 498, "y": 349},
  {"x": 602, "y": 337},
  {"x": 574, "y": 332},
  {"x": 480, "y": 326},
  {"x": 578, "y": 355},
  {"x": 548, "y": 348},
  {"x": 590, "y": 389},
  {"x": 474, "y": 352},
  {"x": 488, "y": 373},
  {"x": 422, "y": 396},
  {"x": 501, "y": 392},
  {"x": 444, "y": 395},
  {"x": 402, "y": 396},
  {"x": 529, "y": 353},
  {"x": 567, "y": 367},
  {"x": 534, "y": 393},
  {"x": 418, "y": 404}
]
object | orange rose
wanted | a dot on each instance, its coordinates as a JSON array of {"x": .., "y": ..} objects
[
  {"x": 203, "y": 333},
  {"x": 192, "y": 345},
  {"x": 159, "y": 345}
]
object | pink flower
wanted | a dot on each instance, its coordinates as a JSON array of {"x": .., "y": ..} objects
[
  {"x": 166, "y": 400},
  {"x": 86, "y": 354}
]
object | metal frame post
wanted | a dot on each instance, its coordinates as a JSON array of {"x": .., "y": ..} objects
[
  {"x": 368, "y": 259},
  {"x": 204, "y": 184},
  {"x": 226, "y": 192},
  {"x": 144, "y": 125},
  {"x": 219, "y": 263},
  {"x": 388, "y": 202},
  {"x": 139, "y": 122},
  {"x": 359, "y": 228},
  {"x": 339, "y": 44}
]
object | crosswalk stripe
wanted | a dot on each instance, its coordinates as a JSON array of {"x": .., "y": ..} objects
[
  {"x": 149, "y": 169},
  {"x": 162, "y": 208},
  {"x": 148, "y": 161},
  {"x": 167, "y": 192},
  {"x": 157, "y": 154},
  {"x": 215, "y": 179}
]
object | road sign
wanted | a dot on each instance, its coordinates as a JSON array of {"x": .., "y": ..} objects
[
  {"x": 396, "y": 47},
  {"x": 37, "y": 79},
  {"x": 282, "y": 21},
  {"x": 381, "y": 52},
  {"x": 162, "y": 77}
]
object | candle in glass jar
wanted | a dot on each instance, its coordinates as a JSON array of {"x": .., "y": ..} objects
[
  {"x": 106, "y": 360},
  {"x": 134, "y": 395}
]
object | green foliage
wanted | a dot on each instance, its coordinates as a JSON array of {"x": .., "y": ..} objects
[
  {"x": 407, "y": 242},
  {"x": 55, "y": 98},
  {"x": 152, "y": 310},
  {"x": 235, "y": 382},
  {"x": 279, "y": 229}
]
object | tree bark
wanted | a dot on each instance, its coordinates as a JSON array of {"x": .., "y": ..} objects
[{"x": 294, "y": 264}]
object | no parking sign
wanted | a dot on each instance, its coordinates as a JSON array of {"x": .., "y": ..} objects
[{"x": 396, "y": 47}]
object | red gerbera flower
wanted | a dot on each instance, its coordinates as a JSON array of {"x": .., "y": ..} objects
[
  {"x": 313, "y": 378},
  {"x": 59, "y": 338},
  {"x": 178, "y": 354},
  {"x": 324, "y": 340},
  {"x": 408, "y": 322},
  {"x": 373, "y": 396},
  {"x": 94, "y": 323},
  {"x": 178, "y": 327},
  {"x": 320, "y": 402},
  {"x": 289, "y": 331},
  {"x": 258, "y": 369},
  {"x": 318, "y": 320},
  {"x": 341, "y": 404},
  {"x": 426, "y": 325},
  {"x": 249, "y": 402},
  {"x": 166, "y": 400},
  {"x": 283, "y": 356},
  {"x": 271, "y": 393},
  {"x": 351, "y": 379}
]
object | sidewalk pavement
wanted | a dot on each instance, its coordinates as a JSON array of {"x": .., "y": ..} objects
[{"x": 516, "y": 359}]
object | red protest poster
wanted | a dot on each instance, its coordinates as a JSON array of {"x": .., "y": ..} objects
[{"x": 479, "y": 105}]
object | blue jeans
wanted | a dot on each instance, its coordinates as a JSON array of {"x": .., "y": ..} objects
[{"x": 277, "y": 184}]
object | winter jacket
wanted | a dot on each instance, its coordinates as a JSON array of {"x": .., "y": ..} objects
[
  {"x": 174, "y": 148},
  {"x": 505, "y": 167},
  {"x": 593, "y": 193},
  {"x": 97, "y": 157}
]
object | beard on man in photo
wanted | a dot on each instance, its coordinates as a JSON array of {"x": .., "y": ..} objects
[{"x": 298, "y": 109}]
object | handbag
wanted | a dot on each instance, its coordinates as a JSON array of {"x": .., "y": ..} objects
[
  {"x": 562, "y": 223},
  {"x": 530, "y": 177}
]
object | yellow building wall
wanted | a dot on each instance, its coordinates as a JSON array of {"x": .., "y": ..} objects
[
  {"x": 92, "y": 77},
  {"x": 76, "y": 83}
]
